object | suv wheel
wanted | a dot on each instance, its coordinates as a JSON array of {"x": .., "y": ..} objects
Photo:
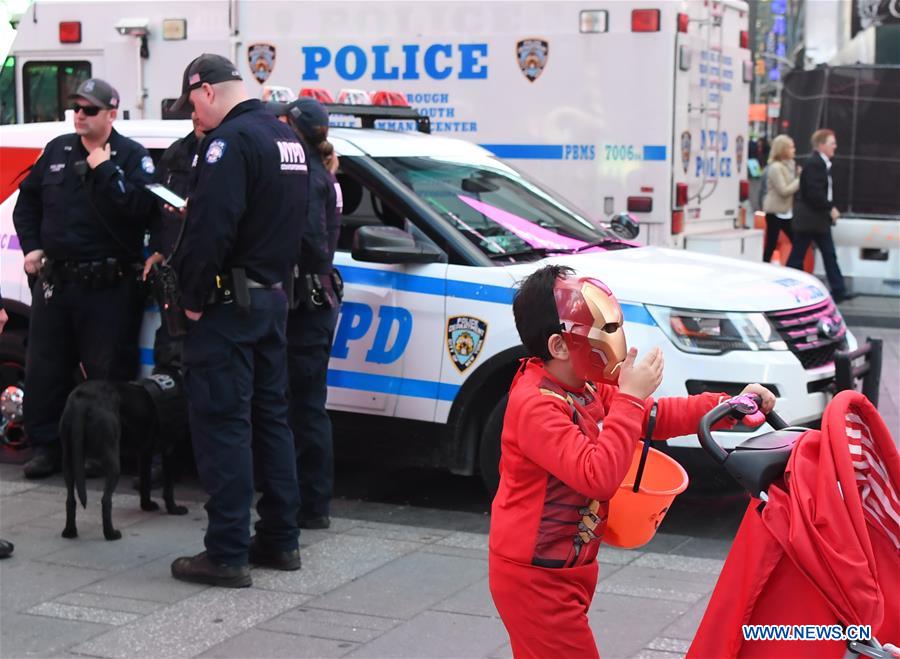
[{"x": 489, "y": 450}]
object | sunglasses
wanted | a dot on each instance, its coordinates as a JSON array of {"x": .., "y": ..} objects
[{"x": 89, "y": 110}]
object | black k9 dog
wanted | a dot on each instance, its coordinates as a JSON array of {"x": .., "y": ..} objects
[{"x": 148, "y": 414}]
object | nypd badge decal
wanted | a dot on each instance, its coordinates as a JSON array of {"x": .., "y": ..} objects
[
  {"x": 262, "y": 60},
  {"x": 465, "y": 338},
  {"x": 532, "y": 57}
]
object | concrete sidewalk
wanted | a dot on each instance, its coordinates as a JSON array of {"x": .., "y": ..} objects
[{"x": 367, "y": 588}]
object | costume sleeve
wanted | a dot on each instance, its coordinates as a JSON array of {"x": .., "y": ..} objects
[
  {"x": 29, "y": 208},
  {"x": 549, "y": 437},
  {"x": 681, "y": 416}
]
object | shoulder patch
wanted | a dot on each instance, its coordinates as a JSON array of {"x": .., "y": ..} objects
[
  {"x": 147, "y": 164},
  {"x": 215, "y": 151}
]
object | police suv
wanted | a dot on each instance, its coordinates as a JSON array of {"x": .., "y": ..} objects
[{"x": 436, "y": 234}]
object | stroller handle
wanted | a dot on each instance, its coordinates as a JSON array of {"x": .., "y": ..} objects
[{"x": 738, "y": 407}]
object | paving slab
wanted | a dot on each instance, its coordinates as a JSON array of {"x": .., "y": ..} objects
[
  {"x": 685, "y": 627},
  {"x": 150, "y": 581},
  {"x": 334, "y": 625},
  {"x": 26, "y": 583},
  {"x": 85, "y": 613},
  {"x": 437, "y": 634},
  {"x": 405, "y": 587},
  {"x": 625, "y": 625},
  {"x": 257, "y": 643},
  {"x": 26, "y": 635},
  {"x": 664, "y": 584},
  {"x": 333, "y": 562},
  {"x": 473, "y": 600},
  {"x": 193, "y": 625}
]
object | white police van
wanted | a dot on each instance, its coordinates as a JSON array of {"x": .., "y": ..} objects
[
  {"x": 637, "y": 105},
  {"x": 436, "y": 234}
]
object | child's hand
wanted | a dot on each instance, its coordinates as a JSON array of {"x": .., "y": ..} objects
[
  {"x": 641, "y": 380},
  {"x": 766, "y": 397}
]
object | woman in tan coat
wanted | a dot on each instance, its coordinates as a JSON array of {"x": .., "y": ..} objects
[{"x": 782, "y": 182}]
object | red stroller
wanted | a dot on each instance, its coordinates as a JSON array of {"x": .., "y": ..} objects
[{"x": 819, "y": 543}]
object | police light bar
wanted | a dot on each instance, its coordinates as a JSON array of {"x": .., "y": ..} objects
[
  {"x": 389, "y": 98},
  {"x": 321, "y": 95},
  {"x": 645, "y": 20},
  {"x": 683, "y": 22},
  {"x": 369, "y": 114},
  {"x": 354, "y": 97},
  {"x": 70, "y": 32}
]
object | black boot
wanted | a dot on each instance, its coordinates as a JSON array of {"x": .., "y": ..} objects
[
  {"x": 265, "y": 556},
  {"x": 199, "y": 569},
  {"x": 316, "y": 522},
  {"x": 6, "y": 549},
  {"x": 45, "y": 462}
]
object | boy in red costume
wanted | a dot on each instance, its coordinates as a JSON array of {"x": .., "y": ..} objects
[{"x": 576, "y": 412}]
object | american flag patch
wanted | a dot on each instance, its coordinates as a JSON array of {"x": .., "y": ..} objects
[{"x": 194, "y": 79}]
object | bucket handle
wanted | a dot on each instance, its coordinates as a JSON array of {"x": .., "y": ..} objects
[{"x": 651, "y": 425}]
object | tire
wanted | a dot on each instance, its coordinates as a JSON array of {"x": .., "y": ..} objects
[{"x": 489, "y": 449}]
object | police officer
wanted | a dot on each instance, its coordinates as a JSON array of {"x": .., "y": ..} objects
[
  {"x": 244, "y": 219},
  {"x": 80, "y": 216},
  {"x": 310, "y": 328},
  {"x": 174, "y": 171}
]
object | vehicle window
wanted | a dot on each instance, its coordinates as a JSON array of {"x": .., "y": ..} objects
[
  {"x": 500, "y": 211},
  {"x": 8, "y": 91},
  {"x": 362, "y": 207},
  {"x": 47, "y": 86}
]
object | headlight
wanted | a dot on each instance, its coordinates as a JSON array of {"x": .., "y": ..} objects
[{"x": 716, "y": 332}]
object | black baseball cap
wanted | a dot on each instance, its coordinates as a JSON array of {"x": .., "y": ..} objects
[
  {"x": 306, "y": 114},
  {"x": 97, "y": 92},
  {"x": 207, "y": 68}
]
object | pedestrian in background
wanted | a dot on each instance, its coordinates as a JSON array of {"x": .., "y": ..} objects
[
  {"x": 815, "y": 212},
  {"x": 310, "y": 328},
  {"x": 243, "y": 225},
  {"x": 81, "y": 216},
  {"x": 782, "y": 182},
  {"x": 6, "y": 547}
]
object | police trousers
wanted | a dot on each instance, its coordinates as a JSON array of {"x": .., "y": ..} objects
[
  {"x": 97, "y": 328},
  {"x": 310, "y": 334},
  {"x": 236, "y": 383}
]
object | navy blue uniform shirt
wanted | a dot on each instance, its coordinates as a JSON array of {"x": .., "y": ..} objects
[
  {"x": 174, "y": 171},
  {"x": 57, "y": 209},
  {"x": 321, "y": 232},
  {"x": 247, "y": 206}
]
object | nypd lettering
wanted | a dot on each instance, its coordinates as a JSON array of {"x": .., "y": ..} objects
[
  {"x": 439, "y": 61},
  {"x": 392, "y": 333},
  {"x": 293, "y": 158},
  {"x": 465, "y": 338},
  {"x": 215, "y": 151},
  {"x": 57, "y": 167}
]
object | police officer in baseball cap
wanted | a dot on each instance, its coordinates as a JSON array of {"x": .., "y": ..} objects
[{"x": 244, "y": 220}]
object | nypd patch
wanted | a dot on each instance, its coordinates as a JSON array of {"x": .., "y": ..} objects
[
  {"x": 215, "y": 151},
  {"x": 147, "y": 164},
  {"x": 465, "y": 338}
]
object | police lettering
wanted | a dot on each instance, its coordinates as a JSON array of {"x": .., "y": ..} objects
[
  {"x": 392, "y": 333},
  {"x": 293, "y": 158},
  {"x": 384, "y": 62}
]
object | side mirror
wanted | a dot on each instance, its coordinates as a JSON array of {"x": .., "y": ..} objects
[
  {"x": 625, "y": 225},
  {"x": 382, "y": 244}
]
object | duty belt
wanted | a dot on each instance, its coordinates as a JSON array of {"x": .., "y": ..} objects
[
  {"x": 98, "y": 274},
  {"x": 235, "y": 287}
]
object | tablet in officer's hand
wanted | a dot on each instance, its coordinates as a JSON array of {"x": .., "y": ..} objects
[{"x": 167, "y": 195}]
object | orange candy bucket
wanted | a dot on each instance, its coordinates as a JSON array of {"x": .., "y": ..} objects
[{"x": 634, "y": 517}]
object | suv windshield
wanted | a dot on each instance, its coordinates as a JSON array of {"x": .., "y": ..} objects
[{"x": 496, "y": 208}]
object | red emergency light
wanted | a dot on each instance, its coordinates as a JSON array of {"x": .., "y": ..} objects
[
  {"x": 645, "y": 20},
  {"x": 321, "y": 95},
  {"x": 745, "y": 39},
  {"x": 681, "y": 195},
  {"x": 677, "y": 222},
  {"x": 70, "y": 31},
  {"x": 683, "y": 21},
  {"x": 745, "y": 190},
  {"x": 640, "y": 204},
  {"x": 389, "y": 98}
]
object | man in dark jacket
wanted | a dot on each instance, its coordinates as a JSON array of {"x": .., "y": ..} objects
[
  {"x": 815, "y": 212},
  {"x": 80, "y": 216}
]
